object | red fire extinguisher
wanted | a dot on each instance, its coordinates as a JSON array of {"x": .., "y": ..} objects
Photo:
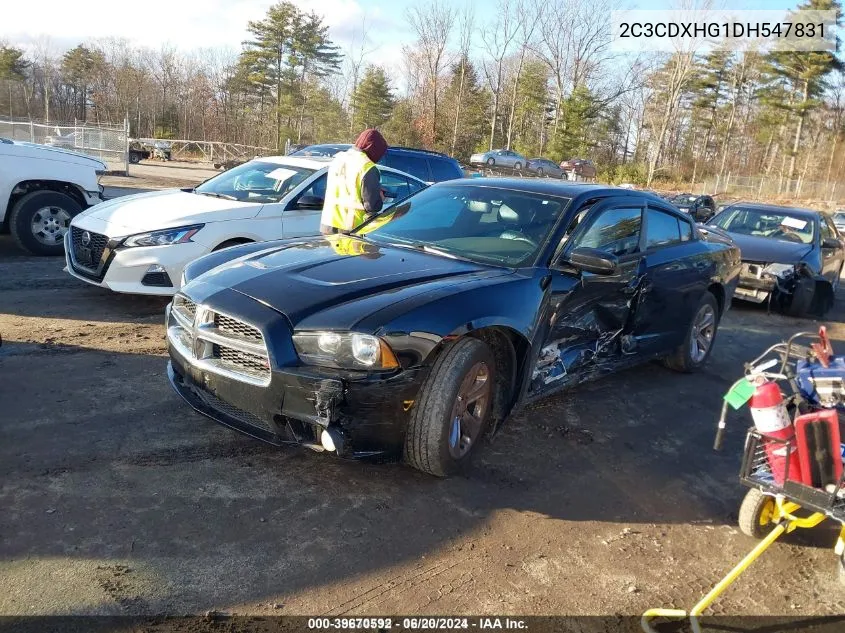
[{"x": 772, "y": 421}]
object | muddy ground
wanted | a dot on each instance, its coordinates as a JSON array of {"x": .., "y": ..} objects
[{"x": 118, "y": 499}]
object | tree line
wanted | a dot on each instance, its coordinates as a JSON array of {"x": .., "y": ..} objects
[{"x": 536, "y": 76}]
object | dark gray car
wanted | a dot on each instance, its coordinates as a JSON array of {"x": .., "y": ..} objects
[{"x": 545, "y": 167}]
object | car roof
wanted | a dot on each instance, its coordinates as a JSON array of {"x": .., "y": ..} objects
[
  {"x": 560, "y": 188},
  {"x": 775, "y": 208}
]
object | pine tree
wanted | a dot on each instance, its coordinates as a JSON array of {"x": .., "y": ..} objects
[
  {"x": 78, "y": 67},
  {"x": 287, "y": 46},
  {"x": 12, "y": 68},
  {"x": 804, "y": 74},
  {"x": 373, "y": 100},
  {"x": 464, "y": 108}
]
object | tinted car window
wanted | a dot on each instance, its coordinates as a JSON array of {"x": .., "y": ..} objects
[
  {"x": 661, "y": 229},
  {"x": 826, "y": 231},
  {"x": 686, "y": 230},
  {"x": 443, "y": 170},
  {"x": 615, "y": 231},
  {"x": 397, "y": 187},
  {"x": 414, "y": 165}
]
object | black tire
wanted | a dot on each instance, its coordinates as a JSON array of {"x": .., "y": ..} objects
[
  {"x": 23, "y": 215},
  {"x": 134, "y": 158},
  {"x": 682, "y": 359},
  {"x": 803, "y": 299},
  {"x": 517, "y": 166},
  {"x": 755, "y": 514},
  {"x": 228, "y": 243},
  {"x": 427, "y": 441},
  {"x": 540, "y": 173},
  {"x": 491, "y": 162}
]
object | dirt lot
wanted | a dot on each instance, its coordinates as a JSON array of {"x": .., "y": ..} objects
[{"x": 118, "y": 499}]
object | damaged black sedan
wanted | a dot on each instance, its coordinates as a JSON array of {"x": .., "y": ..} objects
[
  {"x": 791, "y": 258},
  {"x": 426, "y": 327}
]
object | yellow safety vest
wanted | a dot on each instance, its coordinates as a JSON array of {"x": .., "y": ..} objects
[{"x": 343, "y": 207}]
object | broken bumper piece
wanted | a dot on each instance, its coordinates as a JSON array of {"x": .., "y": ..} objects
[{"x": 366, "y": 416}]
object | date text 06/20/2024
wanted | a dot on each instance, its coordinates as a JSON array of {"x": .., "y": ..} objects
[{"x": 418, "y": 623}]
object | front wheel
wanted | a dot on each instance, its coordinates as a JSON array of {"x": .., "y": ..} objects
[
  {"x": 40, "y": 219},
  {"x": 517, "y": 166},
  {"x": 756, "y": 514},
  {"x": 453, "y": 410},
  {"x": 540, "y": 173},
  {"x": 491, "y": 162},
  {"x": 698, "y": 342}
]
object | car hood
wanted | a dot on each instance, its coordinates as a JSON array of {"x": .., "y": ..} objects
[
  {"x": 34, "y": 150},
  {"x": 164, "y": 209},
  {"x": 307, "y": 278},
  {"x": 766, "y": 249}
]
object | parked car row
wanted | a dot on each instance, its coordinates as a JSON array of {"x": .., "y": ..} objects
[{"x": 574, "y": 169}]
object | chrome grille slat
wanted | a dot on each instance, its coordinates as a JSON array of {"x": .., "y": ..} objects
[{"x": 218, "y": 342}]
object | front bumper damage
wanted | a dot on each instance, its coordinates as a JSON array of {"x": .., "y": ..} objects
[
  {"x": 786, "y": 288},
  {"x": 365, "y": 413}
]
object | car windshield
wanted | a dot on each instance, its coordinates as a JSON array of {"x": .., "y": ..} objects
[
  {"x": 839, "y": 217},
  {"x": 483, "y": 224},
  {"x": 255, "y": 181},
  {"x": 320, "y": 150},
  {"x": 683, "y": 198},
  {"x": 770, "y": 223}
]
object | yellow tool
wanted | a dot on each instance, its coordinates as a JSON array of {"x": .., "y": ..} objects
[{"x": 782, "y": 515}]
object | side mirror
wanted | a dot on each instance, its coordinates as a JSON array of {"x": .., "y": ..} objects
[
  {"x": 309, "y": 203},
  {"x": 831, "y": 242},
  {"x": 592, "y": 260}
]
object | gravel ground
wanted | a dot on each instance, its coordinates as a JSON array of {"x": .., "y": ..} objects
[{"x": 118, "y": 499}]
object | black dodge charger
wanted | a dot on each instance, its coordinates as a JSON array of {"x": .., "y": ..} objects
[{"x": 424, "y": 328}]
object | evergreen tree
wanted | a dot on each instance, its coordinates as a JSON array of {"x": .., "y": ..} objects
[
  {"x": 286, "y": 48},
  {"x": 464, "y": 108},
  {"x": 373, "y": 100},
  {"x": 12, "y": 69},
  {"x": 579, "y": 110},
  {"x": 803, "y": 73},
  {"x": 79, "y": 66}
]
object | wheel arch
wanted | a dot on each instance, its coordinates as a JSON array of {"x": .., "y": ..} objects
[
  {"x": 59, "y": 186},
  {"x": 718, "y": 290},
  {"x": 511, "y": 351}
]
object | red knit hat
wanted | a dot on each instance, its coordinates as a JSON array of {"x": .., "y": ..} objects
[{"x": 372, "y": 143}]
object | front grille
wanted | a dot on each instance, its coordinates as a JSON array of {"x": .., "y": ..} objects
[
  {"x": 243, "y": 361},
  {"x": 244, "y": 417},
  {"x": 217, "y": 342},
  {"x": 95, "y": 247},
  {"x": 233, "y": 326}
]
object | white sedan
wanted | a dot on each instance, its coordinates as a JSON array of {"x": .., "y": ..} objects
[{"x": 139, "y": 244}]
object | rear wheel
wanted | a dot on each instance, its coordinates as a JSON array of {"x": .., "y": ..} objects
[
  {"x": 517, "y": 166},
  {"x": 540, "y": 173},
  {"x": 453, "y": 410},
  {"x": 38, "y": 221},
  {"x": 491, "y": 162},
  {"x": 756, "y": 514},
  {"x": 701, "y": 333}
]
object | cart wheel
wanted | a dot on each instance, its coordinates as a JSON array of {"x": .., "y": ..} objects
[{"x": 756, "y": 514}]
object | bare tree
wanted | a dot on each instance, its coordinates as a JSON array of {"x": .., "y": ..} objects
[
  {"x": 433, "y": 25},
  {"x": 527, "y": 17},
  {"x": 467, "y": 18},
  {"x": 497, "y": 41}
]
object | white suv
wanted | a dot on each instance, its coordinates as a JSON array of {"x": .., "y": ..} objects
[
  {"x": 41, "y": 190},
  {"x": 139, "y": 244}
]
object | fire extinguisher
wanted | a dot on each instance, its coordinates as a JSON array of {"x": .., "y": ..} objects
[{"x": 772, "y": 421}]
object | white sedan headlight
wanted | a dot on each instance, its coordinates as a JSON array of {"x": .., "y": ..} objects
[{"x": 165, "y": 237}]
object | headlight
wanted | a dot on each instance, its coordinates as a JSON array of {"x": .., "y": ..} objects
[
  {"x": 348, "y": 350},
  {"x": 165, "y": 237},
  {"x": 780, "y": 270}
]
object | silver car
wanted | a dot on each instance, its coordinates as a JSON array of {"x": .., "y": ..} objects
[
  {"x": 499, "y": 158},
  {"x": 545, "y": 167}
]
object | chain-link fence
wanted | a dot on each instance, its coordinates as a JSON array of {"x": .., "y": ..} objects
[
  {"x": 109, "y": 143},
  {"x": 773, "y": 188}
]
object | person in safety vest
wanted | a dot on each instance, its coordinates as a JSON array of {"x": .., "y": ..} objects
[{"x": 353, "y": 188}]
